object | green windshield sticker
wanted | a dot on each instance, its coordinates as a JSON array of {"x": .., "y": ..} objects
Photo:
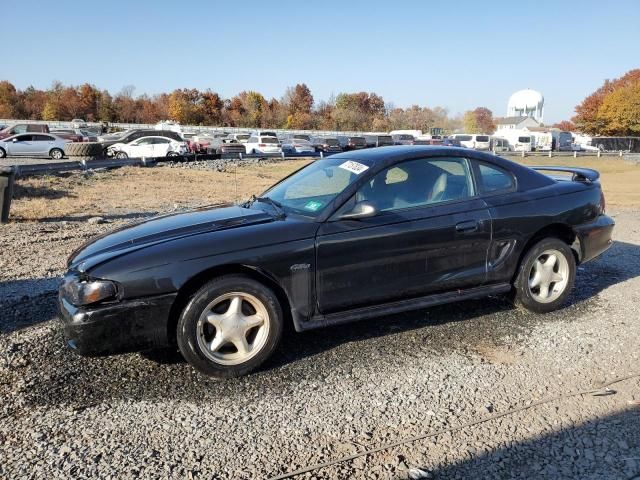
[{"x": 313, "y": 206}]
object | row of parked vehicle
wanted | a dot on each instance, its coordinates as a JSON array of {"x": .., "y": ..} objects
[{"x": 39, "y": 140}]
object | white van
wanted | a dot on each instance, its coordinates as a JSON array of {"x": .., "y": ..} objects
[
  {"x": 523, "y": 143},
  {"x": 474, "y": 140},
  {"x": 500, "y": 145}
]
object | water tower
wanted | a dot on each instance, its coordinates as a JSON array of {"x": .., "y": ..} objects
[{"x": 526, "y": 103}]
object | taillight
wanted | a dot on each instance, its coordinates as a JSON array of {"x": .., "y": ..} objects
[{"x": 262, "y": 144}]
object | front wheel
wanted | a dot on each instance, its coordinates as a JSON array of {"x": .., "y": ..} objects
[
  {"x": 172, "y": 154},
  {"x": 546, "y": 276},
  {"x": 121, "y": 155},
  {"x": 56, "y": 153},
  {"x": 2, "y": 153},
  {"x": 230, "y": 326}
]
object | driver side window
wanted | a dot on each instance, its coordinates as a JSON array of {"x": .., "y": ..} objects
[{"x": 418, "y": 183}]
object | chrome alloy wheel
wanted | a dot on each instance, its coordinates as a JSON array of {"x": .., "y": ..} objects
[
  {"x": 233, "y": 328},
  {"x": 549, "y": 276}
]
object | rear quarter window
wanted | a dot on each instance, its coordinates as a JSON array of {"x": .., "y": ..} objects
[{"x": 494, "y": 179}]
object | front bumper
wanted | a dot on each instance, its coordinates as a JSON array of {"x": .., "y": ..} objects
[
  {"x": 595, "y": 237},
  {"x": 129, "y": 325}
]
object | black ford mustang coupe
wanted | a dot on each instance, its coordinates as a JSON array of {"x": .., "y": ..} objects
[{"x": 349, "y": 237}]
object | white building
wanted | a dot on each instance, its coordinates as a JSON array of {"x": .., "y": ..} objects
[
  {"x": 526, "y": 103},
  {"x": 514, "y": 123}
]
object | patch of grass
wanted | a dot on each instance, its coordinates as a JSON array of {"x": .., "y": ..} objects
[{"x": 131, "y": 190}]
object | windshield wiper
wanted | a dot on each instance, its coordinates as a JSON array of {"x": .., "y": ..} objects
[{"x": 277, "y": 206}]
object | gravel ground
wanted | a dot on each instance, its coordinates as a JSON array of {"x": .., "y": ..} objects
[{"x": 329, "y": 393}]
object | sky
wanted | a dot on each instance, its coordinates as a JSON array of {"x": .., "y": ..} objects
[{"x": 458, "y": 55}]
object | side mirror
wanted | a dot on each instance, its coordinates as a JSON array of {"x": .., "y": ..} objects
[{"x": 362, "y": 209}]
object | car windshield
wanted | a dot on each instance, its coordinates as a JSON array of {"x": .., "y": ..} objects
[
  {"x": 331, "y": 141},
  {"x": 310, "y": 190},
  {"x": 268, "y": 140}
]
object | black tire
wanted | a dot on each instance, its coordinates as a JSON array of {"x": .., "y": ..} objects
[
  {"x": 121, "y": 155},
  {"x": 172, "y": 154},
  {"x": 526, "y": 296},
  {"x": 3, "y": 154},
  {"x": 190, "y": 337},
  {"x": 56, "y": 153},
  {"x": 83, "y": 149}
]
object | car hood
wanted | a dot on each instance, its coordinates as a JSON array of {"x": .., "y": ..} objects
[{"x": 162, "y": 229}]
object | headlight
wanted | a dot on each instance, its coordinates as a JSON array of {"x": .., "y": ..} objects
[{"x": 85, "y": 292}]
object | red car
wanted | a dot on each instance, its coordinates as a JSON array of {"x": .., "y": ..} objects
[{"x": 23, "y": 128}]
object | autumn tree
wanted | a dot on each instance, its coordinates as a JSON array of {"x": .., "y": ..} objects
[
  {"x": 32, "y": 103},
  {"x": 587, "y": 118},
  {"x": 88, "y": 96},
  {"x": 619, "y": 113},
  {"x": 469, "y": 123},
  {"x": 124, "y": 105},
  {"x": 105, "y": 110},
  {"x": 565, "y": 126},
  {"x": 8, "y": 100}
]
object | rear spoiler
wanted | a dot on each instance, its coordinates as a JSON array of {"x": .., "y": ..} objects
[{"x": 586, "y": 175}]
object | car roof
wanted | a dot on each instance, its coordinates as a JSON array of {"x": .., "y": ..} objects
[{"x": 382, "y": 157}]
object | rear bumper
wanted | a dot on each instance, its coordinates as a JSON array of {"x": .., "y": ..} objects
[
  {"x": 595, "y": 237},
  {"x": 129, "y": 325}
]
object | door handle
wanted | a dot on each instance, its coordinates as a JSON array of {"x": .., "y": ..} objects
[{"x": 467, "y": 227}]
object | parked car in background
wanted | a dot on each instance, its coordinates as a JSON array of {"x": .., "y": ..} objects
[
  {"x": 450, "y": 142},
  {"x": 219, "y": 146},
  {"x": 76, "y": 134},
  {"x": 200, "y": 143},
  {"x": 78, "y": 123},
  {"x": 239, "y": 137},
  {"x": 297, "y": 145},
  {"x": 326, "y": 144},
  {"x": 24, "y": 128},
  {"x": 354, "y": 143},
  {"x": 265, "y": 133},
  {"x": 427, "y": 141},
  {"x": 302, "y": 136},
  {"x": 403, "y": 139},
  {"x": 378, "y": 140},
  {"x": 475, "y": 141},
  {"x": 33, "y": 145},
  {"x": 151, "y": 146},
  {"x": 500, "y": 145},
  {"x": 263, "y": 144},
  {"x": 128, "y": 136}
]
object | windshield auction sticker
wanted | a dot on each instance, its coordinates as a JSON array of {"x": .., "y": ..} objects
[
  {"x": 354, "y": 167},
  {"x": 313, "y": 206}
]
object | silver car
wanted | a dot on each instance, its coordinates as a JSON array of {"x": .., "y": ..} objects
[{"x": 33, "y": 145}]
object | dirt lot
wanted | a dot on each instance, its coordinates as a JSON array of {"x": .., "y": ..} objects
[{"x": 326, "y": 394}]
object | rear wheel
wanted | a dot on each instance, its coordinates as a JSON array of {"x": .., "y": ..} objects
[
  {"x": 546, "y": 276},
  {"x": 230, "y": 326},
  {"x": 2, "y": 153},
  {"x": 56, "y": 153}
]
